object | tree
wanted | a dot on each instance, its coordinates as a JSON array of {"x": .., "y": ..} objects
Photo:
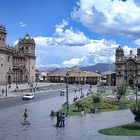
[{"x": 121, "y": 92}]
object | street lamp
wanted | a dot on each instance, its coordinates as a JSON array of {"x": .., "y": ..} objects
[
  {"x": 6, "y": 86},
  {"x": 136, "y": 92},
  {"x": 16, "y": 77},
  {"x": 80, "y": 82},
  {"x": 67, "y": 97}
]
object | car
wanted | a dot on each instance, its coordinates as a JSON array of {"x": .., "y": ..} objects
[{"x": 28, "y": 96}]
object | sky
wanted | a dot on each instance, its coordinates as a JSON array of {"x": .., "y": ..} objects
[{"x": 71, "y": 33}]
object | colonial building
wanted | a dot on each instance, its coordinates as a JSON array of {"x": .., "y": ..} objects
[
  {"x": 76, "y": 76},
  {"x": 108, "y": 78},
  {"x": 127, "y": 68},
  {"x": 17, "y": 64}
]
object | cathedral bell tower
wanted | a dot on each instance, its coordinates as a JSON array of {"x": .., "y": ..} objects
[
  {"x": 119, "y": 54},
  {"x": 120, "y": 80},
  {"x": 26, "y": 47},
  {"x": 2, "y": 36}
]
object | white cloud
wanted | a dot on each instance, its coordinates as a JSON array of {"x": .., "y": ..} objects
[
  {"x": 72, "y": 62},
  {"x": 110, "y": 17},
  {"x": 97, "y": 51},
  {"x": 63, "y": 36},
  {"x": 22, "y": 24},
  {"x": 47, "y": 66},
  {"x": 69, "y": 47},
  {"x": 43, "y": 41},
  {"x": 137, "y": 42}
]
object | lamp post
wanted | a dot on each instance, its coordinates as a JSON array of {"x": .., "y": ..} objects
[
  {"x": 16, "y": 77},
  {"x": 67, "y": 97},
  {"x": 6, "y": 86},
  {"x": 136, "y": 92},
  {"x": 81, "y": 88},
  {"x": 79, "y": 80},
  {"x": 80, "y": 83}
]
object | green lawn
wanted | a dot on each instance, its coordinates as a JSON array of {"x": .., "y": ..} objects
[
  {"x": 124, "y": 130},
  {"x": 105, "y": 104},
  {"x": 88, "y": 104}
]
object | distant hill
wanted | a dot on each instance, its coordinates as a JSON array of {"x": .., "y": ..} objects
[
  {"x": 61, "y": 70},
  {"x": 100, "y": 67}
]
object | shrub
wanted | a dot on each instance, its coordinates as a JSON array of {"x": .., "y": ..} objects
[
  {"x": 121, "y": 91},
  {"x": 96, "y": 99},
  {"x": 105, "y": 106},
  {"x": 135, "y": 109}
]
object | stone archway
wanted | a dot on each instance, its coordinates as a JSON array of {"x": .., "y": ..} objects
[{"x": 9, "y": 79}]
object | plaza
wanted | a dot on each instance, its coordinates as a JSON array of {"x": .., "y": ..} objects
[{"x": 42, "y": 125}]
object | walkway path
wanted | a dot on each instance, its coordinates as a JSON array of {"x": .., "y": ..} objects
[{"x": 77, "y": 127}]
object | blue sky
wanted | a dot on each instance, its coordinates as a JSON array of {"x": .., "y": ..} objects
[{"x": 73, "y": 32}]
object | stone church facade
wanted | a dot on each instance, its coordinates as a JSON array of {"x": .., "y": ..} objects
[
  {"x": 127, "y": 68},
  {"x": 17, "y": 64}
]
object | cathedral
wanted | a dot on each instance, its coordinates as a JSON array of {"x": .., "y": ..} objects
[
  {"x": 17, "y": 64},
  {"x": 127, "y": 68}
]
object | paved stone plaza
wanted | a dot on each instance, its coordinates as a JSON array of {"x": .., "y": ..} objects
[{"x": 41, "y": 128}]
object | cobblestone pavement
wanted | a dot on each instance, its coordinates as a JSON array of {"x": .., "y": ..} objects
[
  {"x": 77, "y": 127},
  {"x": 41, "y": 128}
]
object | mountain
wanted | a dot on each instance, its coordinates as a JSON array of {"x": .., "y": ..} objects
[
  {"x": 50, "y": 69},
  {"x": 61, "y": 70},
  {"x": 100, "y": 67}
]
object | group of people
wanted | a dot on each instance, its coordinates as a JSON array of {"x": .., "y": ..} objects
[
  {"x": 59, "y": 115},
  {"x": 60, "y": 119}
]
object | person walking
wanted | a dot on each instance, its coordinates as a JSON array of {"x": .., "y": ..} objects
[
  {"x": 83, "y": 112},
  {"x": 58, "y": 119},
  {"x": 25, "y": 116},
  {"x": 2, "y": 91},
  {"x": 62, "y": 120}
]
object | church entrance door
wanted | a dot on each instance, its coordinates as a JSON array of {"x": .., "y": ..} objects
[{"x": 131, "y": 83}]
